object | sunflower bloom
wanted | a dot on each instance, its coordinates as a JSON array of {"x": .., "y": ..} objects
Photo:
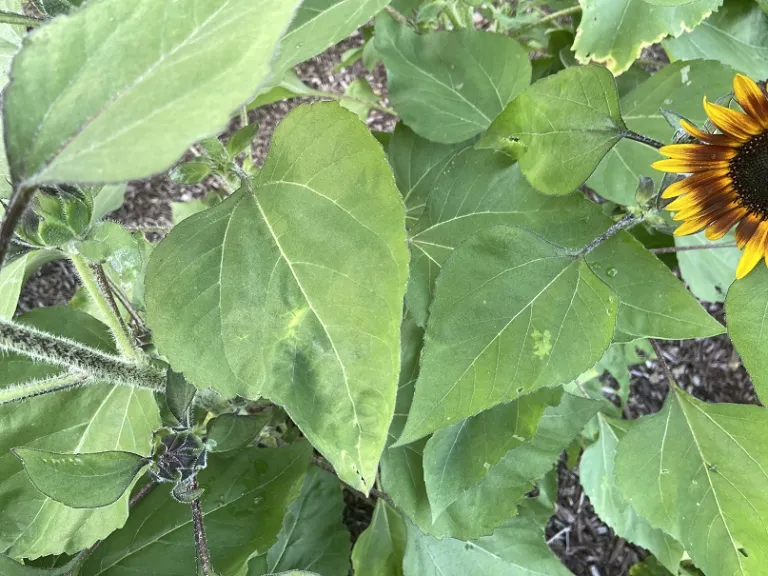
[{"x": 728, "y": 175}]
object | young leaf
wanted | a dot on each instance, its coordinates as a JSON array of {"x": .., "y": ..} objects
[
  {"x": 417, "y": 164},
  {"x": 179, "y": 395},
  {"x": 380, "y": 548},
  {"x": 443, "y": 102},
  {"x": 678, "y": 87},
  {"x": 360, "y": 89},
  {"x": 634, "y": 273},
  {"x": 698, "y": 472},
  {"x": 290, "y": 86},
  {"x": 566, "y": 122},
  {"x": 609, "y": 30},
  {"x": 746, "y": 308},
  {"x": 11, "y": 280},
  {"x": 90, "y": 480},
  {"x": 190, "y": 172},
  {"x": 9, "y": 567},
  {"x": 735, "y": 35},
  {"x": 107, "y": 199},
  {"x": 254, "y": 297},
  {"x": 182, "y": 210},
  {"x": 244, "y": 498},
  {"x": 596, "y": 472},
  {"x": 145, "y": 78},
  {"x": 10, "y": 41},
  {"x": 91, "y": 419},
  {"x": 480, "y": 189},
  {"x": 232, "y": 431},
  {"x": 512, "y": 313},
  {"x": 242, "y": 139},
  {"x": 707, "y": 272}
]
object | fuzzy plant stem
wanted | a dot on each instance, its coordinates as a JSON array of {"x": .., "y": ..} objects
[
  {"x": 77, "y": 357},
  {"x": 642, "y": 139},
  {"x": 16, "y": 207},
  {"x": 25, "y": 390},
  {"x": 627, "y": 222},
  {"x": 91, "y": 283},
  {"x": 203, "y": 555}
]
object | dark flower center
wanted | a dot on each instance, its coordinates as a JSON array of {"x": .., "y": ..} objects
[{"x": 749, "y": 173}]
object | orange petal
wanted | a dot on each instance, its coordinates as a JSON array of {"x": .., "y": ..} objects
[
  {"x": 746, "y": 229},
  {"x": 714, "y": 179},
  {"x": 754, "y": 251},
  {"x": 679, "y": 166},
  {"x": 732, "y": 122},
  {"x": 708, "y": 137},
  {"x": 724, "y": 223},
  {"x": 751, "y": 98},
  {"x": 690, "y": 227},
  {"x": 699, "y": 152}
]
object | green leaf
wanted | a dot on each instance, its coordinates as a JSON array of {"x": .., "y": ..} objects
[
  {"x": 107, "y": 199},
  {"x": 319, "y": 24},
  {"x": 245, "y": 497},
  {"x": 417, "y": 164},
  {"x": 698, "y": 472},
  {"x": 596, "y": 473},
  {"x": 96, "y": 418},
  {"x": 11, "y": 281},
  {"x": 260, "y": 273},
  {"x": 566, "y": 122},
  {"x": 179, "y": 395},
  {"x": 10, "y": 41},
  {"x": 92, "y": 480},
  {"x": 241, "y": 140},
  {"x": 479, "y": 189},
  {"x": 458, "y": 457},
  {"x": 609, "y": 30},
  {"x": 617, "y": 360},
  {"x": 708, "y": 272},
  {"x": 512, "y": 313},
  {"x": 145, "y": 78},
  {"x": 735, "y": 35},
  {"x": 746, "y": 308},
  {"x": 360, "y": 89},
  {"x": 233, "y": 431},
  {"x": 652, "y": 567},
  {"x": 182, "y": 210},
  {"x": 444, "y": 102},
  {"x": 380, "y": 548},
  {"x": 517, "y": 548},
  {"x": 9, "y": 567},
  {"x": 290, "y": 86},
  {"x": 57, "y": 7},
  {"x": 190, "y": 172},
  {"x": 634, "y": 273},
  {"x": 678, "y": 87},
  {"x": 313, "y": 535}
]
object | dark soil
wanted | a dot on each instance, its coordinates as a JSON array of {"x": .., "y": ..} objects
[{"x": 708, "y": 369}]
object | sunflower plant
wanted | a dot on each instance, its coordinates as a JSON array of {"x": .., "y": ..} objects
[{"x": 416, "y": 322}]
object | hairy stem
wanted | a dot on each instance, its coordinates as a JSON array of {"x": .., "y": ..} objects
[
  {"x": 18, "y": 392},
  {"x": 19, "y": 19},
  {"x": 77, "y": 357},
  {"x": 642, "y": 139},
  {"x": 672, "y": 249},
  {"x": 203, "y": 555},
  {"x": 92, "y": 285},
  {"x": 138, "y": 320},
  {"x": 627, "y": 222},
  {"x": 19, "y": 201},
  {"x": 549, "y": 18}
]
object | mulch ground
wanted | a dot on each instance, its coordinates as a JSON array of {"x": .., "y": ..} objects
[{"x": 709, "y": 369}]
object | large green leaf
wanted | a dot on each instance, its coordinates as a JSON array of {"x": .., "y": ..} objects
[
  {"x": 596, "y": 473},
  {"x": 653, "y": 303},
  {"x": 10, "y": 567},
  {"x": 481, "y": 189},
  {"x": 92, "y": 419},
  {"x": 517, "y": 548},
  {"x": 566, "y": 122},
  {"x": 320, "y": 24},
  {"x": 678, "y": 87},
  {"x": 609, "y": 30},
  {"x": 89, "y": 480},
  {"x": 417, "y": 164},
  {"x": 293, "y": 291},
  {"x": 449, "y": 86},
  {"x": 698, "y": 472},
  {"x": 243, "y": 504},
  {"x": 746, "y": 308},
  {"x": 380, "y": 548},
  {"x": 11, "y": 280},
  {"x": 736, "y": 35},
  {"x": 707, "y": 272},
  {"x": 10, "y": 41},
  {"x": 512, "y": 313},
  {"x": 460, "y": 456},
  {"x": 313, "y": 535},
  {"x": 145, "y": 78}
]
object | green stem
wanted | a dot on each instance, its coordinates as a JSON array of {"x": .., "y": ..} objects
[
  {"x": 673, "y": 249},
  {"x": 19, "y": 19},
  {"x": 26, "y": 390},
  {"x": 77, "y": 357},
  {"x": 642, "y": 139},
  {"x": 340, "y": 97},
  {"x": 550, "y": 18},
  {"x": 90, "y": 281},
  {"x": 243, "y": 124}
]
